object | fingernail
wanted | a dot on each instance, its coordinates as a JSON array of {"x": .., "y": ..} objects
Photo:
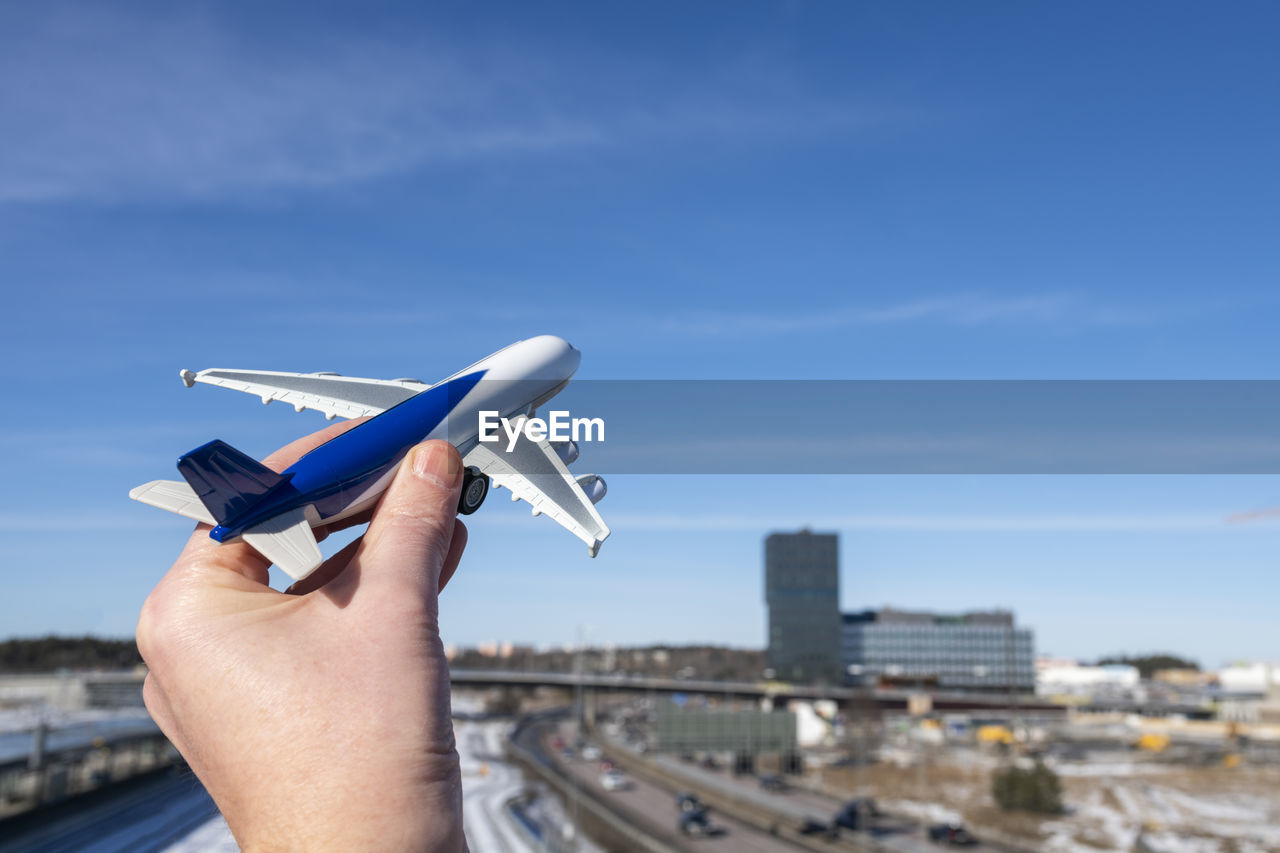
[{"x": 438, "y": 463}]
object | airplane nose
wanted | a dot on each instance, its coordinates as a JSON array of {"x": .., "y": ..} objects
[
  {"x": 542, "y": 357},
  {"x": 575, "y": 355}
]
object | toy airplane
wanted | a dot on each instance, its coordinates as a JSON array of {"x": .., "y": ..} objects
[{"x": 275, "y": 513}]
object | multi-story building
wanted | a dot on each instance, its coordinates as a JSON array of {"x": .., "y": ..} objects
[
  {"x": 967, "y": 651},
  {"x": 802, "y": 592}
]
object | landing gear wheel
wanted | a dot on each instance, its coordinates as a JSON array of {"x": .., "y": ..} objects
[{"x": 475, "y": 488}]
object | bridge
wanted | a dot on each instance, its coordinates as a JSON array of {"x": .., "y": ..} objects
[
  {"x": 885, "y": 699},
  {"x": 80, "y": 690}
]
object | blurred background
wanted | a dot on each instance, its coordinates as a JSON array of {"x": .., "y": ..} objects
[{"x": 729, "y": 191}]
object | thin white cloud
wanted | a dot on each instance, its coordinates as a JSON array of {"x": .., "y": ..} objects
[
  {"x": 97, "y": 102},
  {"x": 110, "y": 445},
  {"x": 104, "y": 433},
  {"x": 941, "y": 522},
  {"x": 1012, "y": 523},
  {"x": 984, "y": 446},
  {"x": 62, "y": 521},
  {"x": 961, "y": 309}
]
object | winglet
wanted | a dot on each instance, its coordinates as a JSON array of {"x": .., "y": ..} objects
[
  {"x": 594, "y": 546},
  {"x": 188, "y": 377}
]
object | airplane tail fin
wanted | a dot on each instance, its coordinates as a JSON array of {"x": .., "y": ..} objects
[{"x": 227, "y": 481}]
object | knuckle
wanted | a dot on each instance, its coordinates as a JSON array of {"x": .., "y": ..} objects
[
  {"x": 159, "y": 628},
  {"x": 420, "y": 524},
  {"x": 150, "y": 627},
  {"x": 401, "y": 604},
  {"x": 157, "y": 705},
  {"x": 152, "y": 696}
]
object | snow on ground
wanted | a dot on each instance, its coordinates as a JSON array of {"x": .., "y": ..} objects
[
  {"x": 1110, "y": 815},
  {"x": 1102, "y": 826},
  {"x": 466, "y": 703},
  {"x": 1168, "y": 842},
  {"x": 1112, "y": 802},
  {"x": 212, "y": 837},
  {"x": 1228, "y": 815},
  {"x": 926, "y": 812},
  {"x": 1240, "y": 808},
  {"x": 488, "y": 784},
  {"x": 1109, "y": 768}
]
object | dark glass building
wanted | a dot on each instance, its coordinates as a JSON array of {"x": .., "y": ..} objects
[
  {"x": 802, "y": 593},
  {"x": 981, "y": 650}
]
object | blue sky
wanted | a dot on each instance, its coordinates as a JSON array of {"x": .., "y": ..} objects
[{"x": 736, "y": 190}]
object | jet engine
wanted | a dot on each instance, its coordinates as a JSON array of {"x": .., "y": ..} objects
[
  {"x": 593, "y": 486},
  {"x": 566, "y": 450}
]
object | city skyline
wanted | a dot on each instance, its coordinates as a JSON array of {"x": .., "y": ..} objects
[{"x": 761, "y": 192}]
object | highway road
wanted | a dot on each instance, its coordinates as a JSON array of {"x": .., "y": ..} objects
[
  {"x": 170, "y": 811},
  {"x": 907, "y": 837},
  {"x": 797, "y": 804},
  {"x": 653, "y": 809}
]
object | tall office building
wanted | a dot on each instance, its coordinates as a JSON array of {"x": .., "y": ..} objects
[
  {"x": 802, "y": 592},
  {"x": 980, "y": 650}
]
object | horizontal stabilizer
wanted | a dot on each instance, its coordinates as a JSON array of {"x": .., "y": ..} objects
[
  {"x": 227, "y": 481},
  {"x": 287, "y": 541},
  {"x": 173, "y": 496}
]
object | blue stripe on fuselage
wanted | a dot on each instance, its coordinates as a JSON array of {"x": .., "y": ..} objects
[{"x": 339, "y": 471}]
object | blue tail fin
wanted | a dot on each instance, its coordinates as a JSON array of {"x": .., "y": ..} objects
[{"x": 227, "y": 481}]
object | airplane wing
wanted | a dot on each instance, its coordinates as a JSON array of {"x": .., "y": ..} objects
[
  {"x": 336, "y": 396},
  {"x": 534, "y": 473}
]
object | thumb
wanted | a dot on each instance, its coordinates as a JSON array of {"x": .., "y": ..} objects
[{"x": 407, "y": 542}]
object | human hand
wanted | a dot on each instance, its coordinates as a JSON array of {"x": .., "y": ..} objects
[{"x": 319, "y": 718}]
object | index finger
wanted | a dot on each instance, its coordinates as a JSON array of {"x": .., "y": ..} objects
[
  {"x": 240, "y": 557},
  {"x": 295, "y": 450}
]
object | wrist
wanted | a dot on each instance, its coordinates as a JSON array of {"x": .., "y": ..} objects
[{"x": 359, "y": 815}]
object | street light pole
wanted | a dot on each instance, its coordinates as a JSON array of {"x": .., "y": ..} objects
[{"x": 855, "y": 672}]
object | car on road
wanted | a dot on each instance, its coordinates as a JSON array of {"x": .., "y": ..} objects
[
  {"x": 953, "y": 834},
  {"x": 614, "y": 780},
  {"x": 687, "y": 802},
  {"x": 816, "y": 826},
  {"x": 697, "y": 822},
  {"x": 856, "y": 814},
  {"x": 774, "y": 783},
  {"x": 591, "y": 752}
]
